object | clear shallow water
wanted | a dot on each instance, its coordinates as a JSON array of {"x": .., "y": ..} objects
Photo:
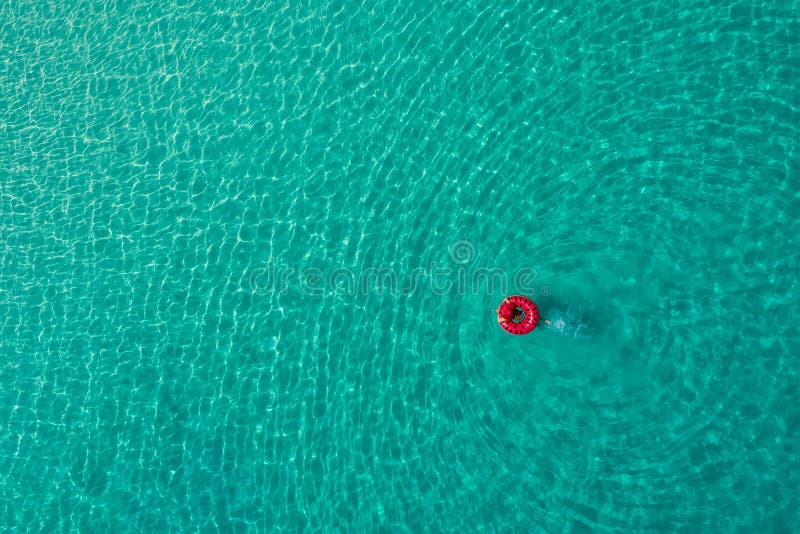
[{"x": 164, "y": 165}]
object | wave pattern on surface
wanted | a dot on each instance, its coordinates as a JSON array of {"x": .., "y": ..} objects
[{"x": 642, "y": 158}]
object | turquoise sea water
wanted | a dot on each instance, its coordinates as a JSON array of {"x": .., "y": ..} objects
[{"x": 190, "y": 189}]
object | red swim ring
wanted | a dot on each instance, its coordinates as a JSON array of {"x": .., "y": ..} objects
[{"x": 520, "y": 325}]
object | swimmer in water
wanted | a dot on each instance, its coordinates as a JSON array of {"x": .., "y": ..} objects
[{"x": 508, "y": 312}]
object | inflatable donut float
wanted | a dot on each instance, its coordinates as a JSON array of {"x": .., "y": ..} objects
[{"x": 518, "y": 315}]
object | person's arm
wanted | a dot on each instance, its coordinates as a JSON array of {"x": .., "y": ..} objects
[{"x": 547, "y": 322}]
